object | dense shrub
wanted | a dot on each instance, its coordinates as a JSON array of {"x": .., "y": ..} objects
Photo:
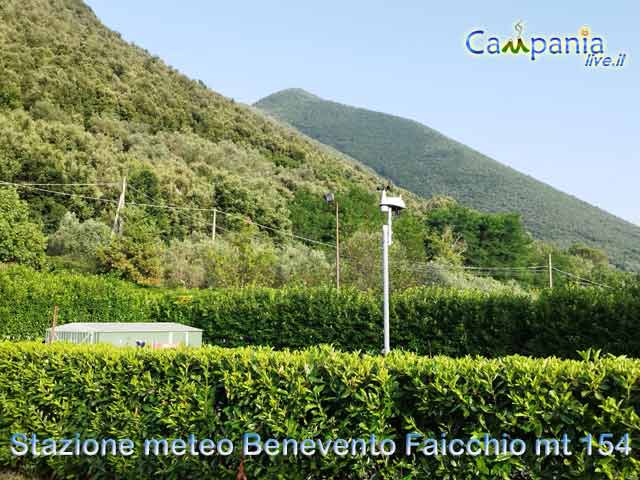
[
  {"x": 104, "y": 392},
  {"x": 135, "y": 254},
  {"x": 300, "y": 264},
  {"x": 424, "y": 320},
  {"x": 21, "y": 240},
  {"x": 241, "y": 259},
  {"x": 78, "y": 239},
  {"x": 27, "y": 299},
  {"x": 490, "y": 239},
  {"x": 362, "y": 257}
]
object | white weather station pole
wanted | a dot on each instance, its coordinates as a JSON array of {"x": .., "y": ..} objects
[{"x": 390, "y": 206}]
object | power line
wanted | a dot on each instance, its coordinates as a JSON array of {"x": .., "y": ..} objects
[
  {"x": 496, "y": 274},
  {"x": 420, "y": 266},
  {"x": 532, "y": 268},
  {"x": 293, "y": 235},
  {"x": 173, "y": 207},
  {"x": 66, "y": 194},
  {"x": 62, "y": 184},
  {"x": 139, "y": 191},
  {"x": 583, "y": 280}
]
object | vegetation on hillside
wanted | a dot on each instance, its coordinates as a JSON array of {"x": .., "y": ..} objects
[
  {"x": 80, "y": 109},
  {"x": 21, "y": 240},
  {"x": 427, "y": 163},
  {"x": 78, "y": 105},
  {"x": 450, "y": 245}
]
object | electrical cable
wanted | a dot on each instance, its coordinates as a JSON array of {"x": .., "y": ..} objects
[{"x": 173, "y": 207}]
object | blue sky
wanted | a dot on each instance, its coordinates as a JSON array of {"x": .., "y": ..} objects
[{"x": 574, "y": 127}]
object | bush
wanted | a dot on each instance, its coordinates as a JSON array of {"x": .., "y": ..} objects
[
  {"x": 245, "y": 259},
  {"x": 78, "y": 240},
  {"x": 304, "y": 266},
  {"x": 490, "y": 239},
  {"x": 135, "y": 255},
  {"x": 423, "y": 320},
  {"x": 21, "y": 241},
  {"x": 558, "y": 322},
  {"x": 241, "y": 259},
  {"x": 185, "y": 264},
  {"x": 362, "y": 259},
  {"x": 27, "y": 299},
  {"x": 105, "y": 392}
]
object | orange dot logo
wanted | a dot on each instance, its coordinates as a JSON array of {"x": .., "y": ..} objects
[{"x": 585, "y": 31}]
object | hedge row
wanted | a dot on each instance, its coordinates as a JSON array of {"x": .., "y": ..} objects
[
  {"x": 27, "y": 298},
  {"x": 105, "y": 392},
  {"x": 560, "y": 322},
  {"x": 427, "y": 321}
]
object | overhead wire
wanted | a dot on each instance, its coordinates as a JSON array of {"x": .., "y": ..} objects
[
  {"x": 27, "y": 184},
  {"x": 421, "y": 266},
  {"x": 581, "y": 279},
  {"x": 174, "y": 207}
]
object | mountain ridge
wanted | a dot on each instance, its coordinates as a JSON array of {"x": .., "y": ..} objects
[
  {"x": 79, "y": 104},
  {"x": 427, "y": 162}
]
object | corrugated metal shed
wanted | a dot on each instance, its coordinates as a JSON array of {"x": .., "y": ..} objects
[{"x": 154, "y": 334}]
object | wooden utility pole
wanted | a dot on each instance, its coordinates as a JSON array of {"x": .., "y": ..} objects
[
  {"x": 213, "y": 226},
  {"x": 117, "y": 223},
  {"x": 550, "y": 272},
  {"x": 54, "y": 323},
  {"x": 337, "y": 247}
]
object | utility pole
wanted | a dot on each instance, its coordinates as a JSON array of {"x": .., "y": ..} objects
[
  {"x": 117, "y": 223},
  {"x": 213, "y": 226},
  {"x": 330, "y": 198},
  {"x": 550, "y": 272},
  {"x": 337, "y": 247},
  {"x": 54, "y": 323}
]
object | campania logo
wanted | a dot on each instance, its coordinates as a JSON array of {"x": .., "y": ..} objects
[{"x": 584, "y": 43}]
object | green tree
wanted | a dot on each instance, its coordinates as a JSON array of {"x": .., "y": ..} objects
[
  {"x": 255, "y": 258},
  {"x": 300, "y": 264},
  {"x": 491, "y": 239},
  {"x": 446, "y": 247},
  {"x": 78, "y": 239},
  {"x": 21, "y": 240},
  {"x": 410, "y": 230},
  {"x": 362, "y": 263},
  {"x": 594, "y": 255},
  {"x": 136, "y": 255},
  {"x": 237, "y": 259},
  {"x": 312, "y": 217}
]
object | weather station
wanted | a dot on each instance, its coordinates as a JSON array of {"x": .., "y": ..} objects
[{"x": 390, "y": 206}]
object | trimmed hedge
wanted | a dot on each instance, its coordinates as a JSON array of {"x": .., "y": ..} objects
[
  {"x": 102, "y": 392},
  {"x": 27, "y": 298},
  {"x": 557, "y": 322}
]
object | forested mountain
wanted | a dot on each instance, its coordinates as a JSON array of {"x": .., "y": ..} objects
[
  {"x": 80, "y": 105},
  {"x": 428, "y": 163},
  {"x": 81, "y": 109}
]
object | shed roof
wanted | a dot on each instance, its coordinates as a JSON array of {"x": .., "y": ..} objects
[{"x": 126, "y": 327}]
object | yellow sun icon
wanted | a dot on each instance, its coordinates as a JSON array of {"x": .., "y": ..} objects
[{"x": 585, "y": 31}]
